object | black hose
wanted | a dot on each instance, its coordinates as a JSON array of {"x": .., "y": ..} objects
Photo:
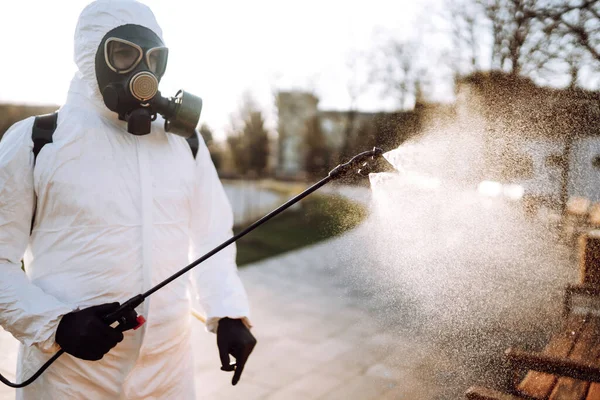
[{"x": 34, "y": 376}]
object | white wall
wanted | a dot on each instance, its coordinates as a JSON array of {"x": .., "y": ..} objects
[
  {"x": 546, "y": 179},
  {"x": 584, "y": 179}
]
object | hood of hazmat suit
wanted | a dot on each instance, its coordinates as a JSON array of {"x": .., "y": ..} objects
[{"x": 115, "y": 214}]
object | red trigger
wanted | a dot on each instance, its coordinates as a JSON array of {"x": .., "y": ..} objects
[{"x": 140, "y": 320}]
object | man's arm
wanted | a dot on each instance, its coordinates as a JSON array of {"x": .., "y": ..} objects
[
  {"x": 220, "y": 290},
  {"x": 30, "y": 314}
]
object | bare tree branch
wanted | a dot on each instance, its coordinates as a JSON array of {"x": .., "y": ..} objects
[
  {"x": 394, "y": 68},
  {"x": 579, "y": 19}
]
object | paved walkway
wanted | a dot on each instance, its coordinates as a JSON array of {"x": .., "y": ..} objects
[{"x": 407, "y": 307}]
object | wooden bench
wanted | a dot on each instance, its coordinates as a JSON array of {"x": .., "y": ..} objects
[{"x": 568, "y": 368}]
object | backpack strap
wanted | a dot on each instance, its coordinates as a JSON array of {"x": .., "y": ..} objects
[
  {"x": 194, "y": 143},
  {"x": 43, "y": 129},
  {"x": 41, "y": 134}
]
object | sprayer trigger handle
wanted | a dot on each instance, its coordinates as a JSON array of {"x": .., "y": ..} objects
[
  {"x": 140, "y": 321},
  {"x": 123, "y": 319}
]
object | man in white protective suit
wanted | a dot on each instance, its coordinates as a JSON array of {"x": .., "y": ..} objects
[{"x": 117, "y": 206}]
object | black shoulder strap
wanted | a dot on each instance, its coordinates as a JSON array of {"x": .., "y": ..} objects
[
  {"x": 194, "y": 143},
  {"x": 43, "y": 129},
  {"x": 41, "y": 134}
]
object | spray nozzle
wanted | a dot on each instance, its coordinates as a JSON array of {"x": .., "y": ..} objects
[{"x": 363, "y": 163}]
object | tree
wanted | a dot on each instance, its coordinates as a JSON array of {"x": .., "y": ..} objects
[
  {"x": 575, "y": 26},
  {"x": 213, "y": 147},
  {"x": 317, "y": 153},
  {"x": 206, "y": 134},
  {"x": 395, "y": 70},
  {"x": 355, "y": 87},
  {"x": 235, "y": 142},
  {"x": 257, "y": 143},
  {"x": 577, "y": 18},
  {"x": 463, "y": 16},
  {"x": 248, "y": 139},
  {"x": 541, "y": 38},
  {"x": 516, "y": 38}
]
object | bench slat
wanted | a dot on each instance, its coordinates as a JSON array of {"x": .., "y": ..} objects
[
  {"x": 585, "y": 350},
  {"x": 594, "y": 392},
  {"x": 483, "y": 393},
  {"x": 569, "y": 389},
  {"x": 539, "y": 385}
]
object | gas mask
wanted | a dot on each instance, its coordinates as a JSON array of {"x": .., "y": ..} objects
[{"x": 130, "y": 62}]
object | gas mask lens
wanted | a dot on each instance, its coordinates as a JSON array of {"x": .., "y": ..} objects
[
  {"x": 121, "y": 55},
  {"x": 156, "y": 59}
]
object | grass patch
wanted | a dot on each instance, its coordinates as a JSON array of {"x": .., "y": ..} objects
[{"x": 320, "y": 217}]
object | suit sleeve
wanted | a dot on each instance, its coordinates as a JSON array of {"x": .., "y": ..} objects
[
  {"x": 218, "y": 285},
  {"x": 26, "y": 311}
]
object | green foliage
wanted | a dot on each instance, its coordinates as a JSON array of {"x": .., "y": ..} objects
[
  {"x": 317, "y": 156},
  {"x": 258, "y": 143},
  {"x": 321, "y": 217},
  {"x": 213, "y": 147},
  {"x": 250, "y": 145},
  {"x": 206, "y": 134},
  {"x": 235, "y": 142}
]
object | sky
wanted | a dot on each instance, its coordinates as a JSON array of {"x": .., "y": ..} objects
[{"x": 218, "y": 50}]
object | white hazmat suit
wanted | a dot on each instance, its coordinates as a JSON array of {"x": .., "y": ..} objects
[{"x": 115, "y": 214}]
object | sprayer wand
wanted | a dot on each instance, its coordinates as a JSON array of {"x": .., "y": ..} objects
[{"x": 127, "y": 318}]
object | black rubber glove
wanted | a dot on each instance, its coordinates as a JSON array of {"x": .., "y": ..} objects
[
  {"x": 233, "y": 337},
  {"x": 84, "y": 335}
]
